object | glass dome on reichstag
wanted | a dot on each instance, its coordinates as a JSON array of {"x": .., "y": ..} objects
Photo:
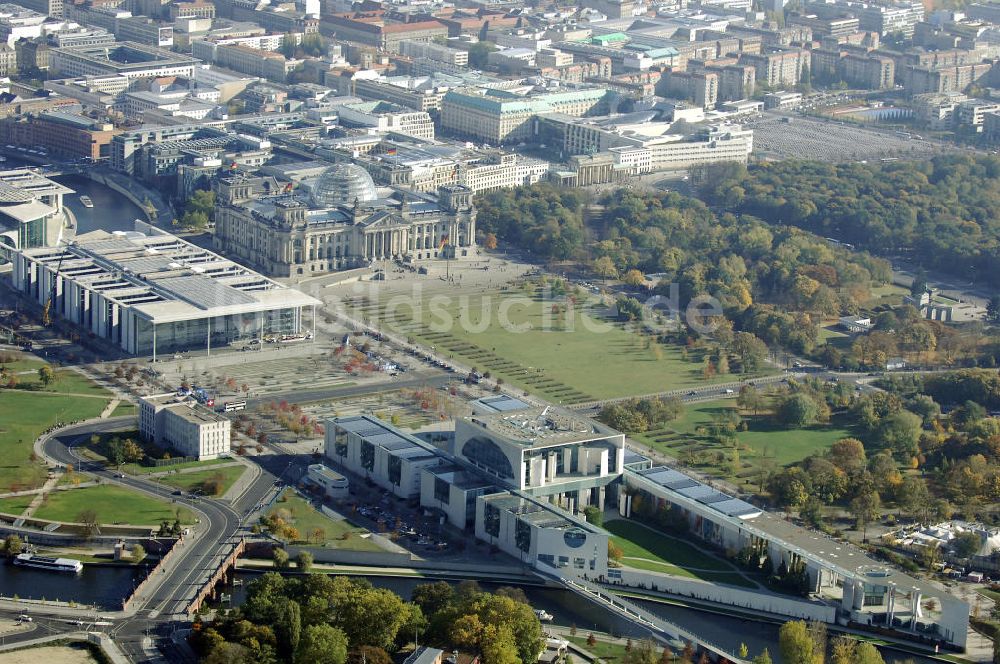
[{"x": 342, "y": 184}]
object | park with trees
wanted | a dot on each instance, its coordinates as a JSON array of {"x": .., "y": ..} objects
[{"x": 321, "y": 619}]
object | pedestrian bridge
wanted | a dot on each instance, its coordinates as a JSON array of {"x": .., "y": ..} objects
[{"x": 662, "y": 630}]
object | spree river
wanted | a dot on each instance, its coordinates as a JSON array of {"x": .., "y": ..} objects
[
  {"x": 111, "y": 211},
  {"x": 104, "y": 586}
]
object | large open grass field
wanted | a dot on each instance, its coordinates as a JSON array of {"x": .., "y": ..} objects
[
  {"x": 689, "y": 437},
  {"x": 576, "y": 356},
  {"x": 65, "y": 380},
  {"x": 654, "y": 551},
  {"x": 306, "y": 519},
  {"x": 23, "y": 417},
  {"x": 195, "y": 481},
  {"x": 112, "y": 504},
  {"x": 26, "y": 413}
]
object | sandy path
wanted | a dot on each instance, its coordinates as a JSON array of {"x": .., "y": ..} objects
[{"x": 49, "y": 655}]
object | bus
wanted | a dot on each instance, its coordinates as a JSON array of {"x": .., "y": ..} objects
[{"x": 233, "y": 406}]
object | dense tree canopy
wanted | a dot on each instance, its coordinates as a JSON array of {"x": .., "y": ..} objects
[
  {"x": 321, "y": 619},
  {"x": 942, "y": 211}
]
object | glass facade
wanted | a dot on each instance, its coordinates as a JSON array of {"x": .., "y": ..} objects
[
  {"x": 343, "y": 184},
  {"x": 491, "y": 520},
  {"x": 185, "y": 334},
  {"x": 395, "y": 470},
  {"x": 487, "y": 455},
  {"x": 367, "y": 456},
  {"x": 442, "y": 491},
  {"x": 522, "y": 536},
  {"x": 32, "y": 234}
]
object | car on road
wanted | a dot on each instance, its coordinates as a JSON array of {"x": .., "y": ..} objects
[{"x": 25, "y": 618}]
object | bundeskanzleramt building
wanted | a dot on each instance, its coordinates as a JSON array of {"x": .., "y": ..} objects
[
  {"x": 531, "y": 529},
  {"x": 342, "y": 224},
  {"x": 185, "y": 426},
  {"x": 380, "y": 452},
  {"x": 545, "y": 452},
  {"x": 157, "y": 293},
  {"x": 854, "y": 589}
]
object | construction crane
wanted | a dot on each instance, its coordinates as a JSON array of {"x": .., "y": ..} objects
[{"x": 46, "y": 310}]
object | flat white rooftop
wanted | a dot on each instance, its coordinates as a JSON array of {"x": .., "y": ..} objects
[{"x": 164, "y": 279}]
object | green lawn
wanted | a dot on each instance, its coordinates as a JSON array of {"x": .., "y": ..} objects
[
  {"x": 66, "y": 380},
  {"x": 554, "y": 359},
  {"x": 136, "y": 469},
  {"x": 195, "y": 481},
  {"x": 124, "y": 408},
  {"x": 689, "y": 437},
  {"x": 605, "y": 650},
  {"x": 15, "y": 505},
  {"x": 828, "y": 332},
  {"x": 24, "y": 416},
  {"x": 656, "y": 552},
  {"x": 306, "y": 519},
  {"x": 113, "y": 504}
]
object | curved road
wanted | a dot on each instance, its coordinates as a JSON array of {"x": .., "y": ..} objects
[{"x": 165, "y": 599}]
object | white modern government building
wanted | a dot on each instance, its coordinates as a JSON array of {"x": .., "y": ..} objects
[
  {"x": 519, "y": 476},
  {"x": 157, "y": 293}
]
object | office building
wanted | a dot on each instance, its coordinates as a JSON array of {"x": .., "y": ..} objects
[
  {"x": 142, "y": 30},
  {"x": 498, "y": 117},
  {"x": 778, "y": 69},
  {"x": 972, "y": 112},
  {"x": 333, "y": 485},
  {"x": 126, "y": 146},
  {"x": 937, "y": 110},
  {"x": 246, "y": 59},
  {"x": 16, "y": 23},
  {"x": 81, "y": 37},
  {"x": 31, "y": 210},
  {"x": 373, "y": 29},
  {"x": 68, "y": 135},
  {"x": 452, "y": 490},
  {"x": 184, "y": 426},
  {"x": 386, "y": 117},
  {"x": 547, "y": 451},
  {"x": 434, "y": 52},
  {"x": 51, "y": 8},
  {"x": 700, "y": 87},
  {"x": 156, "y": 293},
  {"x": 380, "y": 452},
  {"x": 842, "y": 582},
  {"x": 344, "y": 222},
  {"x": 899, "y": 18},
  {"x": 136, "y": 62}
]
